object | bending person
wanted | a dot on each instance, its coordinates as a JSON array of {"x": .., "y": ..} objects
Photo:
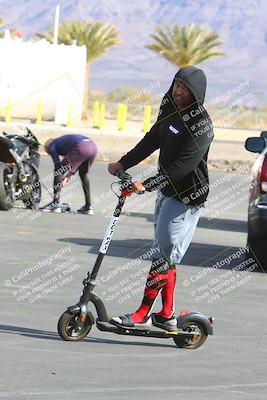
[{"x": 79, "y": 153}]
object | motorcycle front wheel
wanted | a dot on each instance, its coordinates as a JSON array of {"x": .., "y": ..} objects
[
  {"x": 6, "y": 195},
  {"x": 34, "y": 199}
]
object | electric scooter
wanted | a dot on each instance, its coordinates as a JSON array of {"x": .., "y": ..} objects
[{"x": 76, "y": 322}]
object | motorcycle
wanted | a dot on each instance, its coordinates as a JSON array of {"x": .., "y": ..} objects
[{"x": 19, "y": 178}]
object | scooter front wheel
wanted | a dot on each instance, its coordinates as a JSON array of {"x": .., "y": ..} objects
[
  {"x": 67, "y": 327},
  {"x": 199, "y": 335}
]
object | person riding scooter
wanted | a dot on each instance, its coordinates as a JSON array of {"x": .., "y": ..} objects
[
  {"x": 76, "y": 322},
  {"x": 79, "y": 154},
  {"x": 183, "y": 133}
]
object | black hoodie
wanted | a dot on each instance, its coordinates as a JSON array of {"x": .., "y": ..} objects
[{"x": 183, "y": 137}]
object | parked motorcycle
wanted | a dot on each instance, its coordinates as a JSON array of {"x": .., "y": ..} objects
[{"x": 19, "y": 178}]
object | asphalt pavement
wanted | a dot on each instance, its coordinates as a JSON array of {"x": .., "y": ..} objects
[{"x": 44, "y": 258}]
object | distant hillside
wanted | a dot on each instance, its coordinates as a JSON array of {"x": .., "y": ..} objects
[{"x": 241, "y": 24}]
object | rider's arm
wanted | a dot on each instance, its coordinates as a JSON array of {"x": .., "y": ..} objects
[{"x": 143, "y": 149}]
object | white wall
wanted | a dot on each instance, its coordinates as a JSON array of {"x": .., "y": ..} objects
[{"x": 33, "y": 71}]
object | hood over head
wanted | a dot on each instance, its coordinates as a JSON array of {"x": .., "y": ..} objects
[{"x": 194, "y": 79}]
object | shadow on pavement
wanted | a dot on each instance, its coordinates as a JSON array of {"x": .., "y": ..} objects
[
  {"x": 230, "y": 225},
  {"x": 40, "y": 334},
  {"x": 198, "y": 254}
]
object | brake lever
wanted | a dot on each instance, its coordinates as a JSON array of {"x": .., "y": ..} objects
[
  {"x": 139, "y": 191},
  {"x": 124, "y": 176}
]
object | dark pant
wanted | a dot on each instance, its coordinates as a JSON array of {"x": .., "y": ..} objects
[
  {"x": 86, "y": 186},
  {"x": 82, "y": 155}
]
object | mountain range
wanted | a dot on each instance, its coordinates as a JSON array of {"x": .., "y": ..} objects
[{"x": 240, "y": 23}]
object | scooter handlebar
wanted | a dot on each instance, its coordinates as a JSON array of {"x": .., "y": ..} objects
[
  {"x": 126, "y": 184},
  {"x": 124, "y": 176}
]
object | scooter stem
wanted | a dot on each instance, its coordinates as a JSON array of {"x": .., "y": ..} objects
[
  {"x": 107, "y": 239},
  {"x": 89, "y": 282}
]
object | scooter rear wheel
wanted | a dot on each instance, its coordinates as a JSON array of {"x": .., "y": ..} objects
[
  {"x": 67, "y": 327},
  {"x": 200, "y": 335}
]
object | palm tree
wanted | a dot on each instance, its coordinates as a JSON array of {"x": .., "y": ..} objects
[
  {"x": 98, "y": 37},
  {"x": 189, "y": 45}
]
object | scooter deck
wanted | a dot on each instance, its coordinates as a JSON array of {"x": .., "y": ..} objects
[{"x": 158, "y": 333}]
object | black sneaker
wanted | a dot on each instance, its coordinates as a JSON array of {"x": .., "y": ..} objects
[
  {"x": 86, "y": 210},
  {"x": 168, "y": 324},
  {"x": 125, "y": 321}
]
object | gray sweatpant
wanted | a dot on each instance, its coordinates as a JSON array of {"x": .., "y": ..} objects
[{"x": 174, "y": 227}]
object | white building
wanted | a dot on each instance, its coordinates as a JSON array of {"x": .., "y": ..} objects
[{"x": 31, "y": 72}]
